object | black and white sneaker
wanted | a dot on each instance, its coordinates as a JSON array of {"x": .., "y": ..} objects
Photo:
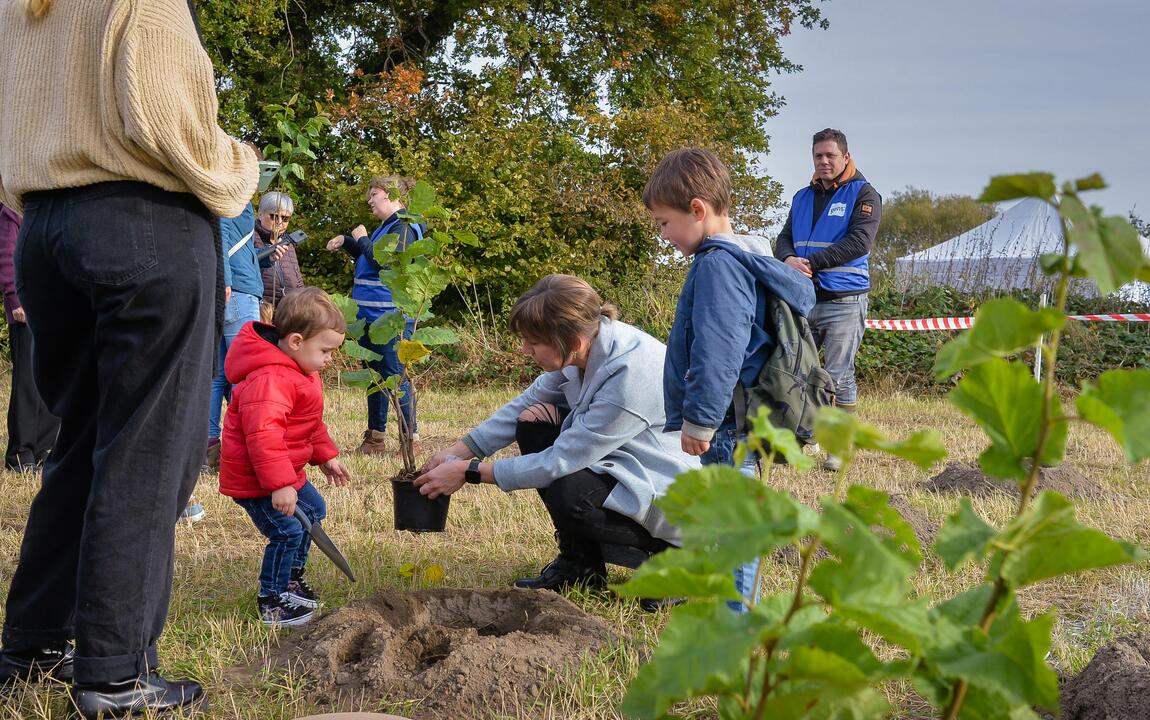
[
  {"x": 299, "y": 592},
  {"x": 281, "y": 610}
]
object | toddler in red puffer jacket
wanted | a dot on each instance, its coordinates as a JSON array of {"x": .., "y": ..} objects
[{"x": 273, "y": 428}]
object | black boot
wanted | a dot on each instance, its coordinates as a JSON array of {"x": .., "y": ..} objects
[
  {"x": 562, "y": 574},
  {"x": 29, "y": 666},
  {"x": 135, "y": 696}
]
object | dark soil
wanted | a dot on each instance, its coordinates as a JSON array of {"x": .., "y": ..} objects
[
  {"x": 1115, "y": 685},
  {"x": 458, "y": 653},
  {"x": 968, "y": 479}
]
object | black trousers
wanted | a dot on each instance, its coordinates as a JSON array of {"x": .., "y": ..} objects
[
  {"x": 575, "y": 504},
  {"x": 119, "y": 282},
  {"x": 31, "y": 427}
]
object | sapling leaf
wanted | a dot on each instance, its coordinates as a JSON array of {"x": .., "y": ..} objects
[
  {"x": 386, "y": 327},
  {"x": 869, "y": 582},
  {"x": 839, "y": 433},
  {"x": 680, "y": 572},
  {"x": 410, "y": 352},
  {"x": 421, "y": 197},
  {"x": 963, "y": 537},
  {"x": 391, "y": 382},
  {"x": 1012, "y": 664},
  {"x": 435, "y": 336},
  {"x": 1002, "y": 327},
  {"x": 1108, "y": 247},
  {"x": 353, "y": 349},
  {"x": 433, "y": 574},
  {"x": 734, "y": 517},
  {"x": 1012, "y": 187},
  {"x": 347, "y": 306},
  {"x": 835, "y": 431},
  {"x": 363, "y": 379},
  {"x": 421, "y": 249},
  {"x": 781, "y": 440},
  {"x": 835, "y": 636},
  {"x": 1090, "y": 182},
  {"x": 1120, "y": 404},
  {"x": 436, "y": 212},
  {"x": 383, "y": 251},
  {"x": 1005, "y": 400},
  {"x": 923, "y": 448},
  {"x": 1047, "y": 541},
  {"x": 356, "y": 329},
  {"x": 704, "y": 649}
]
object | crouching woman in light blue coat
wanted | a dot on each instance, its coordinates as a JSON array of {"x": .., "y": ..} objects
[{"x": 589, "y": 430}]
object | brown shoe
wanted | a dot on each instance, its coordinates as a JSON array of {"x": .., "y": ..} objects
[
  {"x": 212, "y": 456},
  {"x": 374, "y": 443}
]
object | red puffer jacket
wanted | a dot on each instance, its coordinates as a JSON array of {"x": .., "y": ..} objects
[{"x": 274, "y": 424}]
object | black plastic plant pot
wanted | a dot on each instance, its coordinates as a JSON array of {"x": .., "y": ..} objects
[{"x": 415, "y": 512}]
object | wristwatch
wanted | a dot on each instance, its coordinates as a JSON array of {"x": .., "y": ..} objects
[{"x": 472, "y": 474}]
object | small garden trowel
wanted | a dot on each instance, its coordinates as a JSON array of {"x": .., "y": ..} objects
[{"x": 324, "y": 543}]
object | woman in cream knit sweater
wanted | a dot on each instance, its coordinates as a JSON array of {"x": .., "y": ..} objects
[{"x": 109, "y": 143}]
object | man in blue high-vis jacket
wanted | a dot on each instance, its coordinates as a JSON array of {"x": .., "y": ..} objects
[{"x": 828, "y": 237}]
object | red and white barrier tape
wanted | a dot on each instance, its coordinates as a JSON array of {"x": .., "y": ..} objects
[{"x": 963, "y": 323}]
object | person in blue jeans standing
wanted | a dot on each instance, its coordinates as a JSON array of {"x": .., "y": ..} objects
[
  {"x": 827, "y": 237},
  {"x": 719, "y": 337},
  {"x": 374, "y": 301}
]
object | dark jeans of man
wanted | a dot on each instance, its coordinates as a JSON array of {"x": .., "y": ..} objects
[
  {"x": 378, "y": 403},
  {"x": 119, "y": 282},
  {"x": 288, "y": 543},
  {"x": 31, "y": 427},
  {"x": 575, "y": 504}
]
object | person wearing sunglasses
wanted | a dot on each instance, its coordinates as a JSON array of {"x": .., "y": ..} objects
[{"x": 283, "y": 275}]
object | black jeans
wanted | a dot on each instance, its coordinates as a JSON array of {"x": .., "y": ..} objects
[
  {"x": 31, "y": 427},
  {"x": 575, "y": 504},
  {"x": 118, "y": 280}
]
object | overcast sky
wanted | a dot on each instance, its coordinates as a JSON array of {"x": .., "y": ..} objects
[{"x": 942, "y": 95}]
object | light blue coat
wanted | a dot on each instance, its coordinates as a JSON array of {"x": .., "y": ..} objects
[{"x": 615, "y": 427}]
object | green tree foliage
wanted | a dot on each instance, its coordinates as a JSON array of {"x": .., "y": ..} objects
[
  {"x": 914, "y": 219},
  {"x": 814, "y": 652},
  {"x": 538, "y": 121}
]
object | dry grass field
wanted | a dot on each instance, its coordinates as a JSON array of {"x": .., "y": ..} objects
[{"x": 493, "y": 538}]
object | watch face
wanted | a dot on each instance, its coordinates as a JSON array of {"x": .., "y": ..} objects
[{"x": 472, "y": 475}]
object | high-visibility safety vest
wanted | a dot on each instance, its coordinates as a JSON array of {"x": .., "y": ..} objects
[
  {"x": 372, "y": 296},
  {"x": 830, "y": 227}
]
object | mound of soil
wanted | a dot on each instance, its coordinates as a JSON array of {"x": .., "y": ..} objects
[
  {"x": 968, "y": 479},
  {"x": 458, "y": 653},
  {"x": 1115, "y": 685}
]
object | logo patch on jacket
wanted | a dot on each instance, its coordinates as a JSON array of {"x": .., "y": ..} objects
[
  {"x": 837, "y": 210},
  {"x": 865, "y": 209}
]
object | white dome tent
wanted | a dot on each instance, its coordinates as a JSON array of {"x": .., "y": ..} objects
[{"x": 1000, "y": 255}]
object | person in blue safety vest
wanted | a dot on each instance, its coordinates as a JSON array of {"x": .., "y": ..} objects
[
  {"x": 374, "y": 300},
  {"x": 828, "y": 236}
]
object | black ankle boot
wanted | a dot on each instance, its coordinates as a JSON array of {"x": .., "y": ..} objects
[
  {"x": 134, "y": 696},
  {"x": 562, "y": 574},
  {"x": 18, "y": 666}
]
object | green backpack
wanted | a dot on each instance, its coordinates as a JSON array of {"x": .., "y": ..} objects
[{"x": 792, "y": 384}]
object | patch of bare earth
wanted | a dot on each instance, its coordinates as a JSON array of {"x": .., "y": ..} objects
[
  {"x": 457, "y": 653},
  {"x": 967, "y": 479},
  {"x": 1114, "y": 685}
]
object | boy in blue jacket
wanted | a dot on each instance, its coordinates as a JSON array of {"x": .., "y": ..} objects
[{"x": 719, "y": 338}]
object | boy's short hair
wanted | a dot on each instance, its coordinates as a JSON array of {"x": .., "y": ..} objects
[
  {"x": 558, "y": 310},
  {"x": 386, "y": 182},
  {"x": 308, "y": 311},
  {"x": 838, "y": 136},
  {"x": 686, "y": 174}
]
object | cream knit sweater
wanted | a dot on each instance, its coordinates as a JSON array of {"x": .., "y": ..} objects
[{"x": 100, "y": 90}]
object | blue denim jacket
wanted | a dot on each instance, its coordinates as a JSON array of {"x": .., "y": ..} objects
[{"x": 719, "y": 335}]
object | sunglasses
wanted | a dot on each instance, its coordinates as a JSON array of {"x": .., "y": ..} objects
[{"x": 280, "y": 218}]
